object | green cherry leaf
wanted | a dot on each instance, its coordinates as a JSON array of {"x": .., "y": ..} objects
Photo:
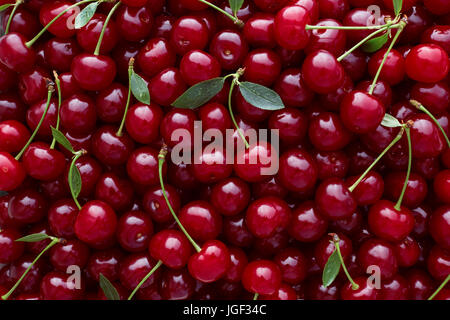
[
  {"x": 375, "y": 44},
  {"x": 3, "y": 193},
  {"x": 108, "y": 289},
  {"x": 74, "y": 180},
  {"x": 236, "y": 5},
  {"x": 331, "y": 270},
  {"x": 36, "y": 237},
  {"x": 6, "y": 6},
  {"x": 390, "y": 121},
  {"x": 139, "y": 88},
  {"x": 62, "y": 140},
  {"x": 199, "y": 94},
  {"x": 398, "y": 4},
  {"x": 85, "y": 15},
  {"x": 261, "y": 97}
]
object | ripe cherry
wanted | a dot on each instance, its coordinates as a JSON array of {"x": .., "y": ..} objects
[
  {"x": 134, "y": 268},
  {"x": 113, "y": 190},
  {"x": 134, "y": 230},
  {"x": 438, "y": 263},
  {"x": 62, "y": 27},
  {"x": 43, "y": 163},
  {"x": 231, "y": 196},
  {"x": 256, "y": 163},
  {"x": 307, "y": 223},
  {"x": 106, "y": 262},
  {"x": 261, "y": 277},
  {"x": 60, "y": 52},
  {"x": 407, "y": 252},
  {"x": 439, "y": 226},
  {"x": 189, "y": 33},
  {"x": 88, "y": 36},
  {"x": 93, "y": 72},
  {"x": 154, "y": 203},
  {"x": 369, "y": 190},
  {"x": 427, "y": 63},
  {"x": 292, "y": 264},
  {"x": 61, "y": 218},
  {"x": 201, "y": 220},
  {"x": 327, "y": 132},
  {"x": 109, "y": 148},
  {"x": 393, "y": 70},
  {"x": 298, "y": 171},
  {"x": 211, "y": 263},
  {"x": 177, "y": 284},
  {"x": 290, "y": 27},
  {"x": 331, "y": 164},
  {"x": 110, "y": 103},
  {"x": 142, "y": 166},
  {"x": 11, "y": 250},
  {"x": 15, "y": 54},
  {"x": 134, "y": 23},
  {"x": 332, "y": 40},
  {"x": 70, "y": 253},
  {"x": 292, "y": 89},
  {"x": 435, "y": 96},
  {"x": 14, "y": 135},
  {"x": 262, "y": 66},
  {"x": 334, "y": 200},
  {"x": 377, "y": 252},
  {"x": 427, "y": 139},
  {"x": 171, "y": 247},
  {"x": 214, "y": 115},
  {"x": 197, "y": 66},
  {"x": 416, "y": 190},
  {"x": 166, "y": 86},
  {"x": 27, "y": 206},
  {"x": 58, "y": 286},
  {"x": 156, "y": 56},
  {"x": 33, "y": 85}
]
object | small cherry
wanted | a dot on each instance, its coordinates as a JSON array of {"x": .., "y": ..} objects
[{"x": 210, "y": 263}]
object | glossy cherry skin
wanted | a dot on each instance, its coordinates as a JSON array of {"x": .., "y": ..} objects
[
  {"x": 113, "y": 190},
  {"x": 388, "y": 223},
  {"x": 393, "y": 70},
  {"x": 262, "y": 66},
  {"x": 134, "y": 23},
  {"x": 420, "y": 284},
  {"x": 376, "y": 252},
  {"x": 361, "y": 112},
  {"x": 78, "y": 114},
  {"x": 134, "y": 230},
  {"x": 109, "y": 148},
  {"x": 63, "y": 27},
  {"x": 382, "y": 91},
  {"x": 11, "y": 250},
  {"x": 427, "y": 139},
  {"x": 355, "y": 65},
  {"x": 396, "y": 288},
  {"x": 231, "y": 196},
  {"x": 262, "y": 277},
  {"x": 331, "y": 40},
  {"x": 68, "y": 85},
  {"x": 291, "y": 123},
  {"x": 289, "y": 27},
  {"x": 307, "y": 223},
  {"x": 324, "y": 248},
  {"x": 166, "y": 86},
  {"x": 331, "y": 164},
  {"x": 238, "y": 261},
  {"x": 327, "y": 132},
  {"x": 257, "y": 163},
  {"x": 259, "y": 30},
  {"x": 322, "y": 72},
  {"x": 14, "y": 135},
  {"x": 439, "y": 35},
  {"x": 177, "y": 285},
  {"x": 407, "y": 252},
  {"x": 365, "y": 291},
  {"x": 61, "y": 218},
  {"x": 8, "y": 78},
  {"x": 267, "y": 216},
  {"x": 427, "y": 63},
  {"x": 27, "y": 206},
  {"x": 134, "y": 268},
  {"x": 315, "y": 290},
  {"x": 438, "y": 263},
  {"x": 43, "y": 163},
  {"x": 35, "y": 113},
  {"x": 248, "y": 111},
  {"x": 334, "y": 200},
  {"x": 96, "y": 223},
  {"x": 110, "y": 103},
  {"x": 292, "y": 89},
  {"x": 155, "y": 56},
  {"x": 298, "y": 170},
  {"x": 106, "y": 262},
  {"x": 198, "y": 66},
  {"x": 33, "y": 86},
  {"x": 58, "y": 286},
  {"x": 211, "y": 166},
  {"x": 293, "y": 265},
  {"x": 211, "y": 263},
  {"x": 88, "y": 35},
  {"x": 69, "y": 253},
  {"x": 23, "y": 22},
  {"x": 236, "y": 232},
  {"x": 171, "y": 247},
  {"x": 229, "y": 48},
  {"x": 93, "y": 73},
  {"x": 155, "y": 204},
  {"x": 14, "y": 53},
  {"x": 435, "y": 96},
  {"x": 142, "y": 166},
  {"x": 416, "y": 190},
  {"x": 189, "y": 33},
  {"x": 369, "y": 190},
  {"x": 201, "y": 220},
  {"x": 214, "y": 115},
  {"x": 439, "y": 226},
  {"x": 60, "y": 52}
]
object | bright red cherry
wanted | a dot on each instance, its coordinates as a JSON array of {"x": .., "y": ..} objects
[
  {"x": 134, "y": 23},
  {"x": 88, "y": 35},
  {"x": 189, "y": 33},
  {"x": 289, "y": 27},
  {"x": 201, "y": 220},
  {"x": 155, "y": 204},
  {"x": 43, "y": 163},
  {"x": 369, "y": 190},
  {"x": 393, "y": 70},
  {"x": 334, "y": 200},
  {"x": 134, "y": 268},
  {"x": 427, "y": 139},
  {"x": 70, "y": 253},
  {"x": 211, "y": 263},
  {"x": 298, "y": 170},
  {"x": 197, "y": 66},
  {"x": 155, "y": 56},
  {"x": 256, "y": 163},
  {"x": 63, "y": 27},
  {"x": 262, "y": 66},
  {"x": 211, "y": 166},
  {"x": 166, "y": 87},
  {"x": 15, "y": 54},
  {"x": 142, "y": 166},
  {"x": 365, "y": 292},
  {"x": 92, "y": 72},
  {"x": 13, "y": 136},
  {"x": 331, "y": 40},
  {"x": 61, "y": 218},
  {"x": 231, "y": 196},
  {"x": 293, "y": 265},
  {"x": 292, "y": 89},
  {"x": 427, "y": 63},
  {"x": 327, "y": 132},
  {"x": 262, "y": 277},
  {"x": 171, "y": 247}
]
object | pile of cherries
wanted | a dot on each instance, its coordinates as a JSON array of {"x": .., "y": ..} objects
[{"x": 353, "y": 181}]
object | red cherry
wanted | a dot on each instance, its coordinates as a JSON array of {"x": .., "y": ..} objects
[
  {"x": 257, "y": 163},
  {"x": 70, "y": 253},
  {"x": 365, "y": 292},
  {"x": 289, "y": 27},
  {"x": 369, "y": 190},
  {"x": 332, "y": 40},
  {"x": 61, "y": 218},
  {"x": 116, "y": 192},
  {"x": 155, "y": 204},
  {"x": 438, "y": 263},
  {"x": 156, "y": 56},
  {"x": 63, "y": 27},
  {"x": 324, "y": 249},
  {"x": 435, "y": 96},
  {"x": 171, "y": 247},
  {"x": 427, "y": 139},
  {"x": 134, "y": 230},
  {"x": 427, "y": 63},
  {"x": 60, "y": 52},
  {"x": 416, "y": 189},
  {"x": 292, "y": 264},
  {"x": 134, "y": 23},
  {"x": 109, "y": 148},
  {"x": 13, "y": 136},
  {"x": 104, "y": 262},
  {"x": 11, "y": 250},
  {"x": 177, "y": 285},
  {"x": 377, "y": 252},
  {"x": 88, "y": 35},
  {"x": 197, "y": 66},
  {"x": 334, "y": 200},
  {"x": 407, "y": 252},
  {"x": 292, "y": 89},
  {"x": 27, "y": 206},
  {"x": 439, "y": 226},
  {"x": 93, "y": 72},
  {"x": 211, "y": 263},
  {"x": 142, "y": 166},
  {"x": 231, "y": 196},
  {"x": 58, "y": 286},
  {"x": 110, "y": 103},
  {"x": 298, "y": 171},
  {"x": 393, "y": 70},
  {"x": 189, "y": 33},
  {"x": 134, "y": 268},
  {"x": 166, "y": 86},
  {"x": 214, "y": 115},
  {"x": 262, "y": 66},
  {"x": 32, "y": 85},
  {"x": 307, "y": 224},
  {"x": 201, "y": 220},
  {"x": 15, "y": 54},
  {"x": 262, "y": 277},
  {"x": 43, "y": 163},
  {"x": 327, "y": 132},
  {"x": 331, "y": 164}
]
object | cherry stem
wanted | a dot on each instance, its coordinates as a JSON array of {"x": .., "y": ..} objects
[
  {"x": 401, "y": 26},
  {"x": 108, "y": 18},
  {"x": 443, "y": 284},
  {"x": 311, "y": 27},
  {"x": 161, "y": 160},
  {"x": 130, "y": 72},
  {"x": 230, "y": 107},
  {"x": 11, "y": 16},
  {"x": 420, "y": 106},
  {"x": 58, "y": 119},
  {"x": 236, "y": 20},
  {"x": 51, "y": 244},
  {"x": 256, "y": 296},
  {"x": 51, "y": 89},
  {"x": 361, "y": 178},
  {"x": 32, "y": 41},
  {"x": 72, "y": 166},
  {"x": 398, "y": 205},
  {"x": 156, "y": 267},
  {"x": 336, "y": 241},
  {"x": 370, "y": 36}
]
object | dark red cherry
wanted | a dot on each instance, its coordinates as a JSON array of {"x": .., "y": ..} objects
[
  {"x": 331, "y": 164},
  {"x": 289, "y": 27},
  {"x": 388, "y": 223},
  {"x": 64, "y": 26},
  {"x": 134, "y": 268},
  {"x": 416, "y": 190},
  {"x": 69, "y": 253},
  {"x": 156, "y": 56},
  {"x": 315, "y": 290},
  {"x": 162, "y": 26},
  {"x": 427, "y": 140},
  {"x": 257, "y": 163},
  {"x": 355, "y": 65},
  {"x": 211, "y": 166},
  {"x": 110, "y": 103},
  {"x": 109, "y": 148},
  {"x": 262, "y": 277},
  {"x": 113, "y": 190},
  {"x": 238, "y": 261},
  {"x": 334, "y": 200},
  {"x": 324, "y": 248},
  {"x": 189, "y": 33},
  {"x": 134, "y": 23},
  {"x": 377, "y": 252},
  {"x": 248, "y": 111},
  {"x": 327, "y": 132},
  {"x": 211, "y": 263},
  {"x": 88, "y": 35},
  {"x": 331, "y": 40},
  {"x": 96, "y": 223},
  {"x": 177, "y": 284},
  {"x": 201, "y": 220},
  {"x": 23, "y": 22},
  {"x": 78, "y": 114},
  {"x": 155, "y": 204},
  {"x": 13, "y": 136},
  {"x": 369, "y": 190},
  {"x": 136, "y": 3},
  {"x": 407, "y": 252},
  {"x": 259, "y": 30},
  {"x": 231, "y": 196},
  {"x": 214, "y": 115},
  {"x": 262, "y": 66},
  {"x": 171, "y": 247},
  {"x": 58, "y": 286},
  {"x": 35, "y": 113},
  {"x": 11, "y": 250},
  {"x": 396, "y": 288},
  {"x": 427, "y": 63},
  {"x": 93, "y": 73},
  {"x": 236, "y": 232},
  {"x": 166, "y": 86},
  {"x": 43, "y": 163},
  {"x": 439, "y": 35},
  {"x": 393, "y": 70},
  {"x": 438, "y": 263},
  {"x": 122, "y": 55},
  {"x": 33, "y": 85},
  {"x": 365, "y": 292},
  {"x": 229, "y": 48},
  {"x": 298, "y": 170},
  {"x": 435, "y": 96},
  {"x": 134, "y": 230},
  {"x": 307, "y": 224},
  {"x": 27, "y": 206},
  {"x": 15, "y": 54},
  {"x": 12, "y": 173},
  {"x": 439, "y": 226},
  {"x": 60, "y": 52},
  {"x": 292, "y": 264},
  {"x": 334, "y": 9},
  {"x": 382, "y": 91},
  {"x": 142, "y": 166},
  {"x": 198, "y": 66},
  {"x": 420, "y": 284},
  {"x": 8, "y": 78},
  {"x": 292, "y": 89},
  {"x": 68, "y": 85},
  {"x": 61, "y": 218},
  {"x": 322, "y": 72},
  {"x": 105, "y": 262}
]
